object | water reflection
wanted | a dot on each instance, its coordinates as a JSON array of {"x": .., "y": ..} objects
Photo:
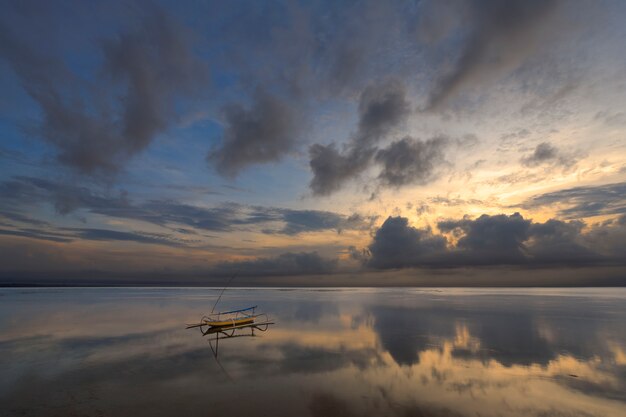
[
  {"x": 347, "y": 353},
  {"x": 231, "y": 332}
]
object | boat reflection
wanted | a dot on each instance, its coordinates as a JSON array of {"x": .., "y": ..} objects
[
  {"x": 232, "y": 332},
  {"x": 231, "y": 324}
]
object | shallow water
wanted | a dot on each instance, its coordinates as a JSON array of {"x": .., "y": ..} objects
[{"x": 343, "y": 352}]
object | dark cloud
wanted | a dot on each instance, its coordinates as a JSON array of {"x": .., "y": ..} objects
[
  {"x": 74, "y": 234},
  {"x": 299, "y": 221},
  {"x": 21, "y": 218},
  {"x": 123, "y": 236},
  {"x": 545, "y": 153},
  {"x": 262, "y": 133},
  {"x": 608, "y": 238},
  {"x": 496, "y": 240},
  {"x": 37, "y": 234},
  {"x": 67, "y": 234},
  {"x": 492, "y": 239},
  {"x": 291, "y": 49},
  {"x": 332, "y": 169},
  {"x": 303, "y": 263},
  {"x": 581, "y": 202},
  {"x": 398, "y": 245},
  {"x": 502, "y": 239},
  {"x": 21, "y": 191},
  {"x": 157, "y": 65},
  {"x": 514, "y": 137},
  {"x": 227, "y": 217},
  {"x": 96, "y": 128},
  {"x": 318, "y": 50},
  {"x": 322, "y": 50},
  {"x": 500, "y": 36},
  {"x": 167, "y": 212},
  {"x": 561, "y": 242},
  {"x": 410, "y": 161},
  {"x": 361, "y": 255},
  {"x": 382, "y": 108}
]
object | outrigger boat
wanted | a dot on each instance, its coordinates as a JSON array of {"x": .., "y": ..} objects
[
  {"x": 229, "y": 319},
  {"x": 227, "y": 324}
]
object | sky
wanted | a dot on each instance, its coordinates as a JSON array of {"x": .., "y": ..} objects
[{"x": 456, "y": 142}]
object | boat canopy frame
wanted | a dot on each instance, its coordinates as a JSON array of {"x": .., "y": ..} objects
[{"x": 237, "y": 313}]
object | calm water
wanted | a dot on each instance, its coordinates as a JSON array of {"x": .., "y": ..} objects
[{"x": 353, "y": 352}]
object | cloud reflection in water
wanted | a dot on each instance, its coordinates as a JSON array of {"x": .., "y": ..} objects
[{"x": 346, "y": 352}]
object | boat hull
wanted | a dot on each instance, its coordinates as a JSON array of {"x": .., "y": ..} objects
[{"x": 232, "y": 322}]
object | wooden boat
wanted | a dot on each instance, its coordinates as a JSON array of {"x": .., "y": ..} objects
[
  {"x": 230, "y": 324},
  {"x": 230, "y": 319}
]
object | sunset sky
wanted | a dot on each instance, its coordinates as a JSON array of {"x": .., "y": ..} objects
[{"x": 476, "y": 142}]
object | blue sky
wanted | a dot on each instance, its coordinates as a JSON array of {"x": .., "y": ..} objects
[{"x": 312, "y": 139}]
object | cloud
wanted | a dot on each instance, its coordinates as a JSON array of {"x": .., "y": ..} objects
[
  {"x": 398, "y": 245},
  {"x": 500, "y": 37},
  {"x": 265, "y": 132},
  {"x": 303, "y": 263},
  {"x": 382, "y": 108},
  {"x": 21, "y": 218},
  {"x": 511, "y": 239},
  {"x": 123, "y": 236},
  {"x": 308, "y": 57},
  {"x": 97, "y": 127},
  {"x": 69, "y": 234},
  {"x": 545, "y": 153},
  {"x": 455, "y": 202},
  {"x": 561, "y": 242},
  {"x": 31, "y": 191},
  {"x": 318, "y": 50},
  {"x": 581, "y": 202},
  {"x": 332, "y": 169},
  {"x": 608, "y": 238},
  {"x": 21, "y": 190},
  {"x": 404, "y": 162},
  {"x": 491, "y": 240},
  {"x": 299, "y": 221},
  {"x": 409, "y": 161},
  {"x": 613, "y": 119},
  {"x": 436, "y": 20},
  {"x": 37, "y": 234}
]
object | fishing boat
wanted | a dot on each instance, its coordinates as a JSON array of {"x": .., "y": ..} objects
[
  {"x": 228, "y": 319},
  {"x": 231, "y": 324}
]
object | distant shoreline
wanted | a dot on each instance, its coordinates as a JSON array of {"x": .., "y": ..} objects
[{"x": 186, "y": 285}]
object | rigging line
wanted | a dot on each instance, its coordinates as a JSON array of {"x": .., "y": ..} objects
[{"x": 223, "y": 289}]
